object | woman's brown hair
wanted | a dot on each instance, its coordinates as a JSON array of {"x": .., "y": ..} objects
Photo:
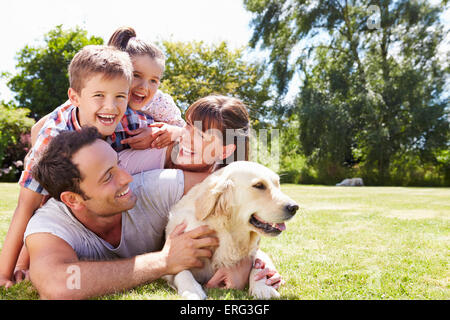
[{"x": 227, "y": 114}]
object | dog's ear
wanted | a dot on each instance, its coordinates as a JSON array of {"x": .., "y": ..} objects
[{"x": 215, "y": 199}]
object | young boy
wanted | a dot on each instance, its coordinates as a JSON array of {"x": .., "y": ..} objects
[{"x": 100, "y": 78}]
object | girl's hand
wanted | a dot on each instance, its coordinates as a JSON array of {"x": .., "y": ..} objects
[
  {"x": 142, "y": 138},
  {"x": 167, "y": 134}
]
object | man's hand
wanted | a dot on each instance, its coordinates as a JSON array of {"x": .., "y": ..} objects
[{"x": 183, "y": 250}]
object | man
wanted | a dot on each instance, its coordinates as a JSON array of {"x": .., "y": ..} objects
[{"x": 103, "y": 229}]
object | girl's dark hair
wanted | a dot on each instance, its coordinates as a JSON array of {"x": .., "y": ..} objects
[
  {"x": 227, "y": 114},
  {"x": 55, "y": 170},
  {"x": 125, "y": 39}
]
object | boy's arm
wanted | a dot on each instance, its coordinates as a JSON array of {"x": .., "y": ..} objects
[
  {"x": 36, "y": 128},
  {"x": 28, "y": 202},
  {"x": 30, "y": 198}
]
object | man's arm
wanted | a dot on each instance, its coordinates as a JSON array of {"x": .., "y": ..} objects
[
  {"x": 55, "y": 270},
  {"x": 54, "y": 266}
]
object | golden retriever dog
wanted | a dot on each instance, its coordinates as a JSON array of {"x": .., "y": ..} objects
[{"x": 241, "y": 202}]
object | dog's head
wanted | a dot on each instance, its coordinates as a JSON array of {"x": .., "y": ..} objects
[{"x": 246, "y": 195}]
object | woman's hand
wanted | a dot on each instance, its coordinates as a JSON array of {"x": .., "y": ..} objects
[
  {"x": 235, "y": 277},
  {"x": 273, "y": 277}
]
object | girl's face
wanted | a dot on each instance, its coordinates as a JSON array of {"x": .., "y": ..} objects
[
  {"x": 199, "y": 150},
  {"x": 147, "y": 76}
]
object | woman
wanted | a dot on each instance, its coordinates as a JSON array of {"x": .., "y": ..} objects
[{"x": 216, "y": 134}]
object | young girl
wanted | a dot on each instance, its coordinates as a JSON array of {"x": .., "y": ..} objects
[{"x": 149, "y": 63}]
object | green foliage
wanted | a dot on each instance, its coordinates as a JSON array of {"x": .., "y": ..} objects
[
  {"x": 370, "y": 96},
  {"x": 42, "y": 80},
  {"x": 194, "y": 70},
  {"x": 14, "y": 126}
]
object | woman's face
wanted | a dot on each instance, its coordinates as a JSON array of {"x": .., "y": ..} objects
[
  {"x": 146, "y": 79},
  {"x": 199, "y": 150}
]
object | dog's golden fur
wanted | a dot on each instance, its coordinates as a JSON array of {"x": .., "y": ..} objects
[{"x": 227, "y": 201}]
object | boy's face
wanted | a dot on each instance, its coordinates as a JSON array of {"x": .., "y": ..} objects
[
  {"x": 101, "y": 103},
  {"x": 146, "y": 79}
]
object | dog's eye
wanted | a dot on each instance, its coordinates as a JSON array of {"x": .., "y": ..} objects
[{"x": 260, "y": 186}]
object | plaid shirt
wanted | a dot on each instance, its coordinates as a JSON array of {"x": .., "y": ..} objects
[
  {"x": 64, "y": 118},
  {"x": 131, "y": 120}
]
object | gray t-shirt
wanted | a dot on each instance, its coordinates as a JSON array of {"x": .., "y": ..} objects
[{"x": 142, "y": 226}]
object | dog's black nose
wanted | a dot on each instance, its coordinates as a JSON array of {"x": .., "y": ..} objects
[{"x": 291, "y": 208}]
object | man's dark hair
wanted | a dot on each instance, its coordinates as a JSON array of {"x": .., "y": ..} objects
[{"x": 55, "y": 170}]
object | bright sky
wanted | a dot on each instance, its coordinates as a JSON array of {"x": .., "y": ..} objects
[{"x": 24, "y": 22}]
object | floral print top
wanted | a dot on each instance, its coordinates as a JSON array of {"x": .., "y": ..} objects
[{"x": 163, "y": 109}]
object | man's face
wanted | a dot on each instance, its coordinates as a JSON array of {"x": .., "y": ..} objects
[
  {"x": 102, "y": 102},
  {"x": 105, "y": 185}
]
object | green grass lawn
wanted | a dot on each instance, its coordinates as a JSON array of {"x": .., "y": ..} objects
[{"x": 346, "y": 243}]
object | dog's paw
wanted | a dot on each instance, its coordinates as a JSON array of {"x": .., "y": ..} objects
[
  {"x": 188, "y": 287},
  {"x": 195, "y": 292},
  {"x": 261, "y": 290},
  {"x": 193, "y": 295}
]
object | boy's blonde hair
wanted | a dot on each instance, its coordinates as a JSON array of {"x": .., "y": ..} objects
[{"x": 95, "y": 59}]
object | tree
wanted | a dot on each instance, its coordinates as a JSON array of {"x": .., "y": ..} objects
[
  {"x": 194, "y": 70},
  {"x": 373, "y": 82},
  {"x": 14, "y": 142},
  {"x": 42, "y": 80}
]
